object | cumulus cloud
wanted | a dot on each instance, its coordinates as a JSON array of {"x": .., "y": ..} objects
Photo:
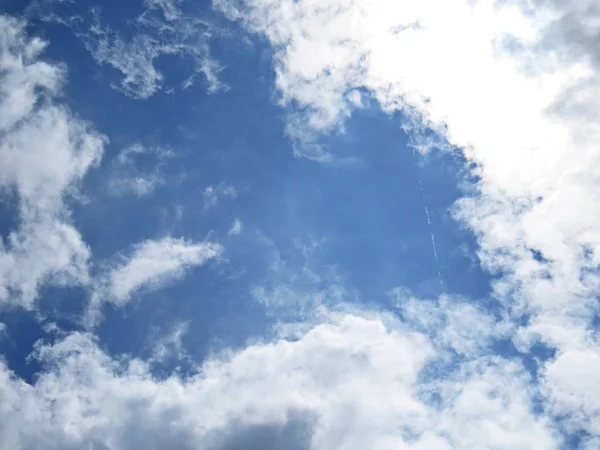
[
  {"x": 45, "y": 151},
  {"x": 352, "y": 381},
  {"x": 514, "y": 85},
  {"x": 150, "y": 264}
]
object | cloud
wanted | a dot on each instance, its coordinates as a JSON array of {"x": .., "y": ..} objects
[
  {"x": 213, "y": 194},
  {"x": 352, "y": 381},
  {"x": 517, "y": 92},
  {"x": 129, "y": 154},
  {"x": 150, "y": 264},
  {"x": 236, "y": 227},
  {"x": 162, "y": 29},
  {"x": 45, "y": 152},
  {"x": 570, "y": 381},
  {"x": 452, "y": 323},
  {"x": 514, "y": 85},
  {"x": 298, "y": 284},
  {"x": 170, "y": 8},
  {"x": 171, "y": 345},
  {"x": 128, "y": 174},
  {"x": 177, "y": 35}
]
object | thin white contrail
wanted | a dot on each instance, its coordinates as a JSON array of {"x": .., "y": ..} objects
[
  {"x": 424, "y": 203},
  {"x": 433, "y": 246},
  {"x": 436, "y": 261}
]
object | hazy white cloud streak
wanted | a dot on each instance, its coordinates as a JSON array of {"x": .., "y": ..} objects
[{"x": 150, "y": 264}]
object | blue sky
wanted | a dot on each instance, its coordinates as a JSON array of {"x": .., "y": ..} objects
[{"x": 256, "y": 224}]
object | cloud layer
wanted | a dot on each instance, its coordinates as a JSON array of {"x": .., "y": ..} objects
[{"x": 351, "y": 381}]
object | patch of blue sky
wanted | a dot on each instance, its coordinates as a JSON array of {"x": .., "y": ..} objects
[{"x": 368, "y": 216}]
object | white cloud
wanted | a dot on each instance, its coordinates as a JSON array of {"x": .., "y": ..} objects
[
  {"x": 171, "y": 345},
  {"x": 129, "y": 154},
  {"x": 298, "y": 285},
  {"x": 515, "y": 85},
  {"x": 213, "y": 194},
  {"x": 571, "y": 384},
  {"x": 161, "y": 29},
  {"x": 128, "y": 174},
  {"x": 170, "y": 8},
  {"x": 45, "y": 152},
  {"x": 451, "y": 323},
  {"x": 139, "y": 185},
  {"x": 236, "y": 227},
  {"x": 150, "y": 265},
  {"x": 350, "y": 382},
  {"x": 177, "y": 34}
]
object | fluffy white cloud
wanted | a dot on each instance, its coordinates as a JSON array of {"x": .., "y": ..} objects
[
  {"x": 150, "y": 265},
  {"x": 571, "y": 382},
  {"x": 453, "y": 324},
  {"x": 514, "y": 85},
  {"x": 352, "y": 381},
  {"x": 45, "y": 151}
]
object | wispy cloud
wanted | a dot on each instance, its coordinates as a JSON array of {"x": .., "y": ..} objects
[
  {"x": 128, "y": 174},
  {"x": 171, "y": 9},
  {"x": 170, "y": 345},
  {"x": 150, "y": 265},
  {"x": 212, "y": 195},
  {"x": 161, "y": 29},
  {"x": 299, "y": 285},
  {"x": 236, "y": 227}
]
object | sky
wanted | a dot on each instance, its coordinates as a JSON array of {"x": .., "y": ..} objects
[{"x": 299, "y": 224}]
